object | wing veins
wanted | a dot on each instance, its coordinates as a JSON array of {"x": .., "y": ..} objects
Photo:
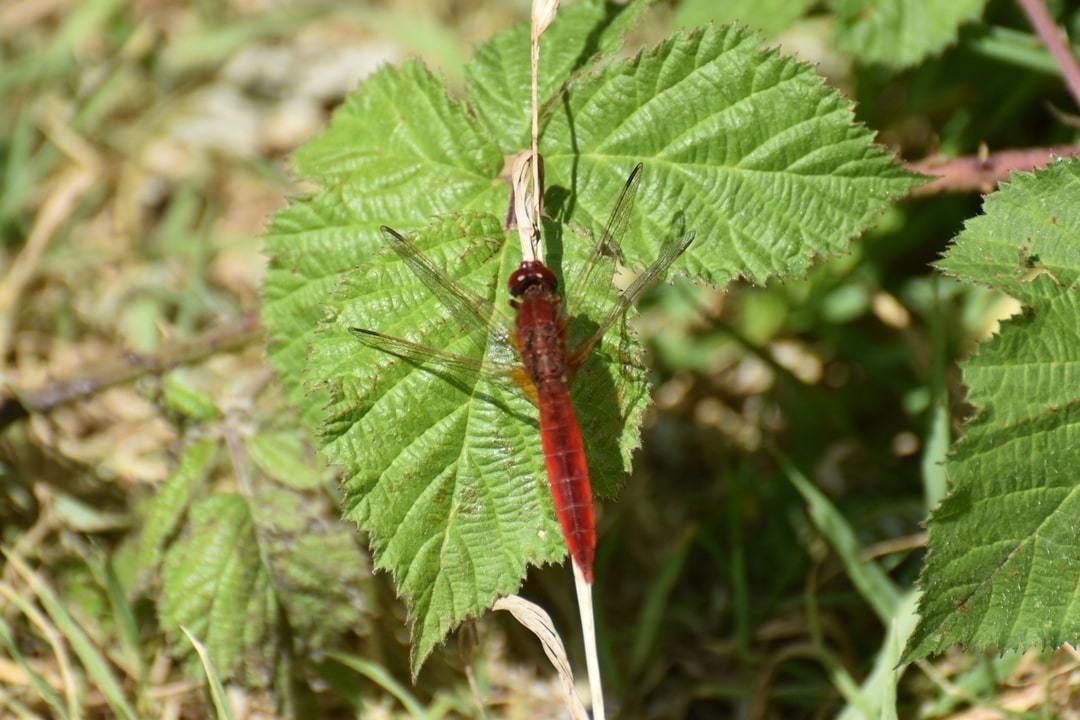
[
  {"x": 608, "y": 248},
  {"x": 475, "y": 314},
  {"x": 648, "y": 277},
  {"x": 427, "y": 355}
]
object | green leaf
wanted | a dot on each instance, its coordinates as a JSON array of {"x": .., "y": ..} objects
[
  {"x": 1002, "y": 568},
  {"x": 769, "y": 16},
  {"x": 216, "y": 584},
  {"x": 750, "y": 149},
  {"x": 319, "y": 571},
  {"x": 182, "y": 396},
  {"x": 167, "y": 510},
  {"x": 398, "y": 152},
  {"x": 240, "y": 564},
  {"x": 900, "y": 33},
  {"x": 498, "y": 78},
  {"x": 283, "y": 456},
  {"x": 449, "y": 480}
]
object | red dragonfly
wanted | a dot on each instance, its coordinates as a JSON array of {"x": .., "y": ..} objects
[{"x": 551, "y": 345}]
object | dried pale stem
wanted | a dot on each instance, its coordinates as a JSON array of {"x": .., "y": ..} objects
[
  {"x": 51, "y": 633},
  {"x": 522, "y": 195},
  {"x": 130, "y": 366},
  {"x": 538, "y": 622},
  {"x": 905, "y": 543},
  {"x": 1054, "y": 40},
  {"x": 535, "y": 134},
  {"x": 56, "y": 209},
  {"x": 982, "y": 173},
  {"x": 588, "y": 634},
  {"x": 543, "y": 14}
]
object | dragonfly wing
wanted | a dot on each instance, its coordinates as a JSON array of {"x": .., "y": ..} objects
[
  {"x": 648, "y": 277},
  {"x": 477, "y": 316},
  {"x": 594, "y": 280},
  {"x": 462, "y": 366}
]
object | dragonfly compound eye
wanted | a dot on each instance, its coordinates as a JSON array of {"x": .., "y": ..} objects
[{"x": 530, "y": 273}]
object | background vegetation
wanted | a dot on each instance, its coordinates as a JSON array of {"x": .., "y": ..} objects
[{"x": 798, "y": 427}]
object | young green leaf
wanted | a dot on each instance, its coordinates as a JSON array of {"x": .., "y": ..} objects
[
  {"x": 900, "y": 33},
  {"x": 215, "y": 584},
  {"x": 238, "y": 566},
  {"x": 1002, "y": 568},
  {"x": 318, "y": 569},
  {"x": 172, "y": 500},
  {"x": 282, "y": 456},
  {"x": 182, "y": 396},
  {"x": 746, "y": 147}
]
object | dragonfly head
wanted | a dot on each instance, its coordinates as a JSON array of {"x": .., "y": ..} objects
[{"x": 530, "y": 273}]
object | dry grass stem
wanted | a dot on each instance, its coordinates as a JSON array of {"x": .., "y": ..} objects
[{"x": 537, "y": 621}]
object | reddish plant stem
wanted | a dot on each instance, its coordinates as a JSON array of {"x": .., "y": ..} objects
[
  {"x": 1054, "y": 40},
  {"x": 982, "y": 173}
]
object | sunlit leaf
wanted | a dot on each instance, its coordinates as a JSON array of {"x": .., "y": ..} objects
[{"x": 749, "y": 148}]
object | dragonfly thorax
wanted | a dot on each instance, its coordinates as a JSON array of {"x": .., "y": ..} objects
[{"x": 531, "y": 273}]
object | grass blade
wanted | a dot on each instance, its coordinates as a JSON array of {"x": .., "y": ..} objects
[
  {"x": 879, "y": 688},
  {"x": 217, "y": 690},
  {"x": 72, "y": 688},
  {"x": 870, "y": 580},
  {"x": 123, "y": 615},
  {"x": 656, "y": 602},
  {"x": 92, "y": 660},
  {"x": 47, "y": 693},
  {"x": 383, "y": 679}
]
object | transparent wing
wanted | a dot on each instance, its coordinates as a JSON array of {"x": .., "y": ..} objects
[
  {"x": 460, "y": 369},
  {"x": 648, "y": 277},
  {"x": 427, "y": 355},
  {"x": 594, "y": 281},
  {"x": 477, "y": 316}
]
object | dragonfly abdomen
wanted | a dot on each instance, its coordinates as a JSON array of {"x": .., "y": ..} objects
[{"x": 568, "y": 471}]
